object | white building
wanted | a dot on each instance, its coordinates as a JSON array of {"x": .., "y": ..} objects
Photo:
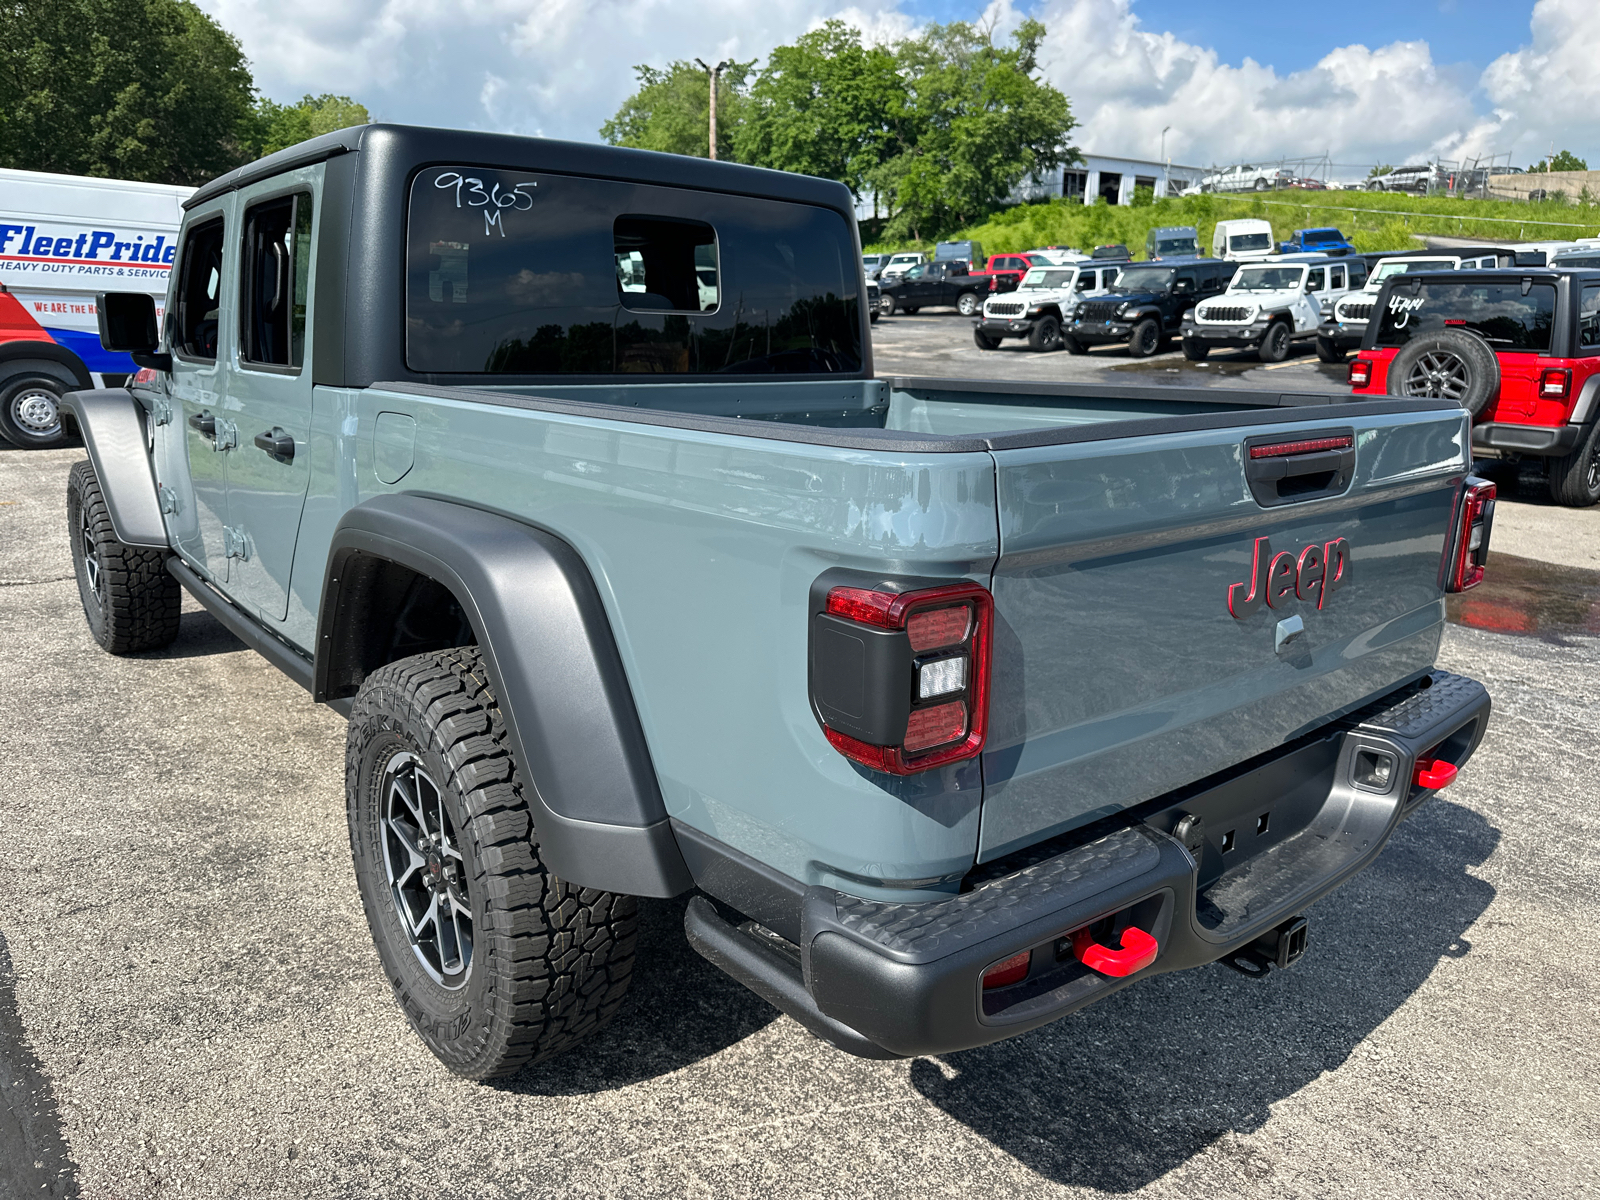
[{"x": 1100, "y": 177}]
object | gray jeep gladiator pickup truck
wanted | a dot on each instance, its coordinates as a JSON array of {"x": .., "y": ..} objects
[{"x": 562, "y": 472}]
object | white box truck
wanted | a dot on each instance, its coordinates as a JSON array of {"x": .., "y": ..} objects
[{"x": 62, "y": 239}]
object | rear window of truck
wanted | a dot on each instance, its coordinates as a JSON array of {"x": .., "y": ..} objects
[
  {"x": 1500, "y": 313},
  {"x": 532, "y": 273}
]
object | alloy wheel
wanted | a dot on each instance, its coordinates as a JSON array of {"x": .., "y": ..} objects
[
  {"x": 426, "y": 872},
  {"x": 1438, "y": 374},
  {"x": 92, "y": 573}
]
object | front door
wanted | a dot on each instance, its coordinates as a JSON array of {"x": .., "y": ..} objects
[
  {"x": 269, "y": 385},
  {"x": 196, "y": 476}
]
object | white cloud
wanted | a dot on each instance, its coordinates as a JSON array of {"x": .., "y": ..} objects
[
  {"x": 1357, "y": 104},
  {"x": 561, "y": 67}
]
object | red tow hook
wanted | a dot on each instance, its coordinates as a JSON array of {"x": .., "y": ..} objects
[
  {"x": 1434, "y": 774},
  {"x": 1138, "y": 952}
]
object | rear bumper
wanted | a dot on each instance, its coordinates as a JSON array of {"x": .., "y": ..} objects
[
  {"x": 1543, "y": 440},
  {"x": 887, "y": 980}
]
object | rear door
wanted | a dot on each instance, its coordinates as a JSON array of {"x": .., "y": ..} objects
[
  {"x": 269, "y": 383},
  {"x": 1120, "y": 672}
]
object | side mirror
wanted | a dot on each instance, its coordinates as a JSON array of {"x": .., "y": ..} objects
[
  {"x": 128, "y": 324},
  {"x": 1182, "y": 288}
]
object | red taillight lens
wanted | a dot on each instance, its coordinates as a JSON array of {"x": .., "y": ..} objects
[
  {"x": 900, "y": 680},
  {"x": 930, "y": 727},
  {"x": 1469, "y": 551},
  {"x": 1360, "y": 372},
  {"x": 1555, "y": 383},
  {"x": 1011, "y": 970},
  {"x": 936, "y": 628},
  {"x": 144, "y": 375}
]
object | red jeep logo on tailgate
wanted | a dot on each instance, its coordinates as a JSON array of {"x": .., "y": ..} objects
[{"x": 1319, "y": 572}]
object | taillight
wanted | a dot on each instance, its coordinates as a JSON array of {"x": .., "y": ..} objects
[
  {"x": 1469, "y": 548},
  {"x": 1555, "y": 383},
  {"x": 1360, "y": 372},
  {"x": 900, "y": 680}
]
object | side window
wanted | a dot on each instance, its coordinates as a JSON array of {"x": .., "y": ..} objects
[
  {"x": 1085, "y": 281},
  {"x": 1185, "y": 283},
  {"x": 1336, "y": 278},
  {"x": 1589, "y": 319},
  {"x": 1108, "y": 277},
  {"x": 1358, "y": 274},
  {"x": 666, "y": 263},
  {"x": 1316, "y": 280},
  {"x": 199, "y": 293},
  {"x": 274, "y": 280}
]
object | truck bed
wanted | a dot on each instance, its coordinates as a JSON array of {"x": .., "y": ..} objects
[{"x": 1108, "y": 524}]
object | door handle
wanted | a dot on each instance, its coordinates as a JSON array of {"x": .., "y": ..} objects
[
  {"x": 205, "y": 423},
  {"x": 276, "y": 443}
]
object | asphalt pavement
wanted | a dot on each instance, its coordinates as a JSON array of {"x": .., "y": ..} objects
[{"x": 190, "y": 1003}]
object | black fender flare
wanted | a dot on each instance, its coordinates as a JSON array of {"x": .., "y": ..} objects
[
  {"x": 551, "y": 657},
  {"x": 112, "y": 424}
]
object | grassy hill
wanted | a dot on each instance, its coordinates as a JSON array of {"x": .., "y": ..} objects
[{"x": 1371, "y": 220}]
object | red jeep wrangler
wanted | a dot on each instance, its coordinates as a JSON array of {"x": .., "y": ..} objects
[{"x": 1519, "y": 348}]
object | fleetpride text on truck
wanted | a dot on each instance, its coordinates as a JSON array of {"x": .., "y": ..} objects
[{"x": 62, "y": 239}]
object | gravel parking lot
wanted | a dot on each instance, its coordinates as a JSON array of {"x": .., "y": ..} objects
[{"x": 190, "y": 1004}]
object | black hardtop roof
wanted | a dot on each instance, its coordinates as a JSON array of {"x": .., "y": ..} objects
[{"x": 425, "y": 146}]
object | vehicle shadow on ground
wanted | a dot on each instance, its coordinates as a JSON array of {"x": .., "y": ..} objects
[
  {"x": 33, "y": 1152},
  {"x": 679, "y": 1010},
  {"x": 1122, "y": 1093},
  {"x": 199, "y": 635}
]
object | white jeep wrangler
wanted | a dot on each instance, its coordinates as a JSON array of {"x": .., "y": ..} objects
[
  {"x": 1266, "y": 308},
  {"x": 1042, "y": 304}
]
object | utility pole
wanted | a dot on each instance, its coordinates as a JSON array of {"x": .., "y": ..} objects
[{"x": 715, "y": 73}]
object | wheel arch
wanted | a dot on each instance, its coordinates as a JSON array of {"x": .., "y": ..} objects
[
  {"x": 112, "y": 424},
  {"x": 16, "y": 354},
  {"x": 532, "y": 607}
]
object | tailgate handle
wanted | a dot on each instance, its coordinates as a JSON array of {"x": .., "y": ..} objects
[
  {"x": 1138, "y": 952},
  {"x": 1287, "y": 470}
]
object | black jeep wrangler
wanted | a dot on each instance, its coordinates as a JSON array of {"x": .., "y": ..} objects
[{"x": 1147, "y": 305}]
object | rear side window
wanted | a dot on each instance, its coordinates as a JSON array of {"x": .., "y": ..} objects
[
  {"x": 275, "y": 272},
  {"x": 199, "y": 298},
  {"x": 1589, "y": 318},
  {"x": 517, "y": 272},
  {"x": 1336, "y": 278},
  {"x": 1497, "y": 312}
]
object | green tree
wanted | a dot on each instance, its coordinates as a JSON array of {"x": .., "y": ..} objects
[
  {"x": 137, "y": 89},
  {"x": 271, "y": 127},
  {"x": 981, "y": 122},
  {"x": 1564, "y": 160},
  {"x": 826, "y": 106},
  {"x": 1380, "y": 169},
  {"x": 672, "y": 108}
]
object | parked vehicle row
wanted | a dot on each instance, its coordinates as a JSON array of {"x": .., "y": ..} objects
[{"x": 1146, "y": 306}]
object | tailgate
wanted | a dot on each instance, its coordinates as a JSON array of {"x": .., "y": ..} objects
[{"x": 1119, "y": 672}]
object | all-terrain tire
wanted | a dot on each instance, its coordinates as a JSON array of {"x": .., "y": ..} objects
[
  {"x": 1274, "y": 347},
  {"x": 1145, "y": 339},
  {"x": 985, "y": 341},
  {"x": 1575, "y": 477},
  {"x": 1073, "y": 345},
  {"x": 1045, "y": 334},
  {"x": 1196, "y": 350},
  {"x": 130, "y": 600},
  {"x": 1330, "y": 351},
  {"x": 547, "y": 963},
  {"x": 1451, "y": 364}
]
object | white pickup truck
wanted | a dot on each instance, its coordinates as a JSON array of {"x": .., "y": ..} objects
[{"x": 1266, "y": 308}]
